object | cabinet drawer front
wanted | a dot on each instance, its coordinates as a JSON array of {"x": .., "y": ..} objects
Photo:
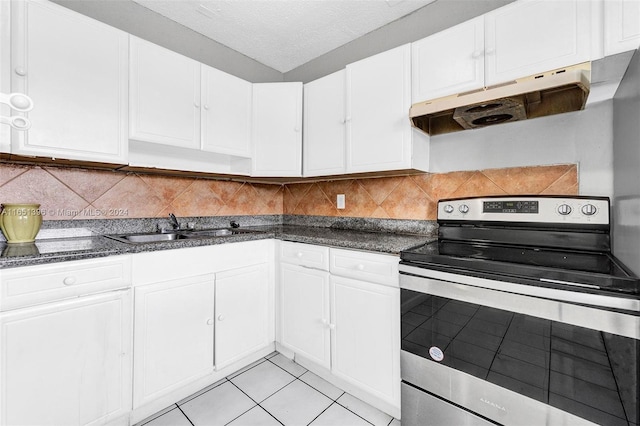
[
  {"x": 305, "y": 255},
  {"x": 38, "y": 284},
  {"x": 371, "y": 267}
]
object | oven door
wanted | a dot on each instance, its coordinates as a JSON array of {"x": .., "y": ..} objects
[{"x": 513, "y": 358}]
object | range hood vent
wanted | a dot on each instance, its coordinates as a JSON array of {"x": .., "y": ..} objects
[{"x": 553, "y": 92}]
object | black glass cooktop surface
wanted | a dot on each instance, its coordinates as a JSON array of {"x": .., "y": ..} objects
[{"x": 578, "y": 269}]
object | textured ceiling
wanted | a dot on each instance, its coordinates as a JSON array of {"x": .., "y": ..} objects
[{"x": 283, "y": 34}]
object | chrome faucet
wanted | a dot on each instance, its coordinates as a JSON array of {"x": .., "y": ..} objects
[{"x": 174, "y": 222}]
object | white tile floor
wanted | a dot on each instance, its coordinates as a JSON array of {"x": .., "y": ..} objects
[{"x": 272, "y": 391}]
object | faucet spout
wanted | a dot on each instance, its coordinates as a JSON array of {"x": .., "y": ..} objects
[{"x": 174, "y": 222}]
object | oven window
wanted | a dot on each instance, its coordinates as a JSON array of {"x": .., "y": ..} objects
[{"x": 589, "y": 373}]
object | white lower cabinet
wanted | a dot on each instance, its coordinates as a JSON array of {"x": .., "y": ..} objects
[
  {"x": 68, "y": 362},
  {"x": 242, "y": 313},
  {"x": 173, "y": 335},
  {"x": 200, "y": 314},
  {"x": 65, "y": 343},
  {"x": 341, "y": 319},
  {"x": 305, "y": 314},
  {"x": 71, "y": 334},
  {"x": 365, "y": 343}
]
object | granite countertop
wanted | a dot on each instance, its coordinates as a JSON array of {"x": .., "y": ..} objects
[{"x": 94, "y": 246}]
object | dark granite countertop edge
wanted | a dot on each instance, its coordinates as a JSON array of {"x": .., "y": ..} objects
[{"x": 372, "y": 241}]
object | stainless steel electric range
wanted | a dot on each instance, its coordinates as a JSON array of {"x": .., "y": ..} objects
[{"x": 519, "y": 315}]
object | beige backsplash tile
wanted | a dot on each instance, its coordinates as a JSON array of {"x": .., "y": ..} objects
[
  {"x": 68, "y": 193},
  {"x": 89, "y": 184}
]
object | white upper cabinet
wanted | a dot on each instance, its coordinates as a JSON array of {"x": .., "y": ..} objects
[
  {"x": 621, "y": 26},
  {"x": 449, "y": 62},
  {"x": 518, "y": 40},
  {"x": 324, "y": 126},
  {"x": 226, "y": 113},
  {"x": 356, "y": 120},
  {"x": 75, "y": 70},
  {"x": 277, "y": 129},
  {"x": 5, "y": 72},
  {"x": 164, "y": 96},
  {"x": 531, "y": 36},
  {"x": 379, "y": 135},
  {"x": 185, "y": 115}
]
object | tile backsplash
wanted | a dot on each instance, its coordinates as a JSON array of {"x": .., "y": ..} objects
[
  {"x": 415, "y": 197},
  {"x": 73, "y": 193}
]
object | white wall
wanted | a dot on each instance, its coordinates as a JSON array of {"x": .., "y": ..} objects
[
  {"x": 583, "y": 137},
  {"x": 626, "y": 166}
]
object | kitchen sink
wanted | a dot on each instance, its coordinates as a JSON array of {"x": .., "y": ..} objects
[
  {"x": 213, "y": 233},
  {"x": 157, "y": 237}
]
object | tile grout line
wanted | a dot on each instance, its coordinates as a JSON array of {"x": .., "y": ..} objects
[
  {"x": 156, "y": 415},
  {"x": 319, "y": 414},
  {"x": 225, "y": 380},
  {"x": 185, "y": 415},
  {"x": 238, "y": 373},
  {"x": 257, "y": 403},
  {"x": 202, "y": 391},
  {"x": 334, "y": 401},
  {"x": 351, "y": 411}
]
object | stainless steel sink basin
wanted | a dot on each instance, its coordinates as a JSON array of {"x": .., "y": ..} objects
[
  {"x": 148, "y": 238},
  {"x": 211, "y": 233},
  {"x": 156, "y": 237}
]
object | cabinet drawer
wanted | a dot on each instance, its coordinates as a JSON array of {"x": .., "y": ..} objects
[
  {"x": 371, "y": 267},
  {"x": 305, "y": 255},
  {"x": 44, "y": 283}
]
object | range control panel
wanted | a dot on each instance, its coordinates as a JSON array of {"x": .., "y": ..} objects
[{"x": 527, "y": 209}]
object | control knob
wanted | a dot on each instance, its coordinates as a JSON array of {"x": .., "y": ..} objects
[
  {"x": 448, "y": 208},
  {"x": 589, "y": 210},
  {"x": 564, "y": 209},
  {"x": 463, "y": 208}
]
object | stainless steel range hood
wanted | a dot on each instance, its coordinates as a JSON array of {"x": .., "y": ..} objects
[{"x": 553, "y": 92}]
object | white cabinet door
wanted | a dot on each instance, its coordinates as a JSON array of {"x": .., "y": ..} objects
[
  {"x": 67, "y": 363},
  {"x": 164, "y": 96},
  {"x": 324, "y": 126},
  {"x": 378, "y": 101},
  {"x": 226, "y": 113},
  {"x": 621, "y": 26},
  {"x": 242, "y": 313},
  {"x": 531, "y": 36},
  {"x": 75, "y": 70},
  {"x": 5, "y": 71},
  {"x": 449, "y": 62},
  {"x": 173, "y": 336},
  {"x": 277, "y": 129},
  {"x": 304, "y": 314},
  {"x": 366, "y": 338}
]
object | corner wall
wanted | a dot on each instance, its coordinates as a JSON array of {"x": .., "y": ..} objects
[
  {"x": 583, "y": 137},
  {"x": 626, "y": 166}
]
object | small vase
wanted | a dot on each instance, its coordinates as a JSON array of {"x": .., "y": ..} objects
[{"x": 20, "y": 223}]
